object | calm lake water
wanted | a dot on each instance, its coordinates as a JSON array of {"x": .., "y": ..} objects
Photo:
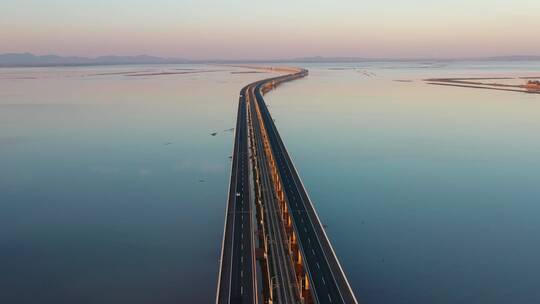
[{"x": 113, "y": 190}]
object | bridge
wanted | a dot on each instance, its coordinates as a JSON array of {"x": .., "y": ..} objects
[{"x": 274, "y": 249}]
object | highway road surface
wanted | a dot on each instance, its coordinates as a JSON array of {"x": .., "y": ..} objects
[{"x": 238, "y": 277}]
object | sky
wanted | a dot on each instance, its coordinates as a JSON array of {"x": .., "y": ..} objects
[{"x": 277, "y": 29}]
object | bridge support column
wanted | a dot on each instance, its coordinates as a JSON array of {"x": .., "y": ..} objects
[{"x": 306, "y": 293}]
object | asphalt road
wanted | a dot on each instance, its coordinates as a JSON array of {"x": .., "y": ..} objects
[
  {"x": 237, "y": 278},
  {"x": 281, "y": 267},
  {"x": 327, "y": 278}
]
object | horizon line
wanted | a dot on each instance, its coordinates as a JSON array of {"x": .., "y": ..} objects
[
  {"x": 29, "y": 60},
  {"x": 306, "y": 57}
]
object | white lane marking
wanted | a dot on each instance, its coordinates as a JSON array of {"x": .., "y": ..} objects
[
  {"x": 318, "y": 266},
  {"x": 241, "y": 290},
  {"x": 324, "y": 282},
  {"x": 241, "y": 273}
]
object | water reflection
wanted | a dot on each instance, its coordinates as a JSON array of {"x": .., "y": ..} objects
[
  {"x": 113, "y": 188},
  {"x": 429, "y": 193},
  {"x": 95, "y": 207}
]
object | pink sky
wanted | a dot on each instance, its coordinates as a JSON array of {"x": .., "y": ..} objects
[{"x": 242, "y": 29}]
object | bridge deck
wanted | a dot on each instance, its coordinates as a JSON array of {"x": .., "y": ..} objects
[
  {"x": 238, "y": 278},
  {"x": 330, "y": 284}
]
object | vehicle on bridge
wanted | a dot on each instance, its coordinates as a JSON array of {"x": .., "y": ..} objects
[{"x": 533, "y": 85}]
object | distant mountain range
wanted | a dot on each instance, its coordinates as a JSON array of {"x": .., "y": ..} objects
[
  {"x": 363, "y": 59},
  {"x": 27, "y": 59},
  {"x": 514, "y": 58},
  {"x": 31, "y": 60}
]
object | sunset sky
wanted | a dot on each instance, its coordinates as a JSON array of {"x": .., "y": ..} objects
[{"x": 243, "y": 29}]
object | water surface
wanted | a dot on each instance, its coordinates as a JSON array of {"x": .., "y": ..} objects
[
  {"x": 113, "y": 190},
  {"x": 430, "y": 193}
]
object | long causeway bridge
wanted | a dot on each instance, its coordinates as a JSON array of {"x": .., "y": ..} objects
[{"x": 275, "y": 249}]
